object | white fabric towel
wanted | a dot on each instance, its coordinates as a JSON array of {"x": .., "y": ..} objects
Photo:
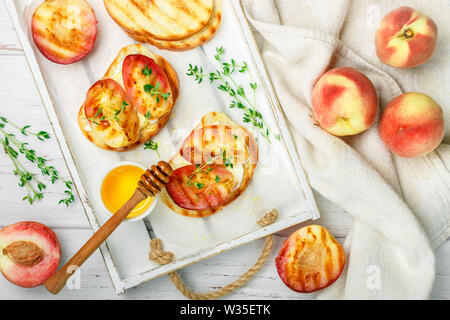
[{"x": 401, "y": 207}]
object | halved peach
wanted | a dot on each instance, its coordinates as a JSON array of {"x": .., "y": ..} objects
[
  {"x": 30, "y": 253},
  {"x": 147, "y": 86},
  {"x": 111, "y": 114},
  {"x": 200, "y": 187},
  {"x": 310, "y": 259},
  {"x": 64, "y": 31},
  {"x": 208, "y": 144}
]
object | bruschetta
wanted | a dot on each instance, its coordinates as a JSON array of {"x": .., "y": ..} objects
[
  {"x": 132, "y": 102},
  {"x": 213, "y": 167}
]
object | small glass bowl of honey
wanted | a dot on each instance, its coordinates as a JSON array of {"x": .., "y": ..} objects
[{"x": 118, "y": 185}]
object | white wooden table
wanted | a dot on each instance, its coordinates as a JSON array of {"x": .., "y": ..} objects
[{"x": 20, "y": 102}]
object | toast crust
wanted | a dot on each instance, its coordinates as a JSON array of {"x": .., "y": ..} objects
[
  {"x": 178, "y": 161},
  {"x": 161, "y": 19},
  {"x": 149, "y": 128},
  {"x": 188, "y": 43}
]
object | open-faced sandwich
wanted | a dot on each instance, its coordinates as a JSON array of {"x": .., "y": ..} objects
[
  {"x": 132, "y": 102},
  {"x": 212, "y": 168},
  {"x": 167, "y": 24}
]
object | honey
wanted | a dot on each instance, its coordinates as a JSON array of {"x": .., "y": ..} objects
[{"x": 119, "y": 185}]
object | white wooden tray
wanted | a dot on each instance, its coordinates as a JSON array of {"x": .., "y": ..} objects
[{"x": 279, "y": 181}]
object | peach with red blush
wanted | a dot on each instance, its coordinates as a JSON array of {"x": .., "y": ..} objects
[
  {"x": 406, "y": 38},
  {"x": 344, "y": 101},
  {"x": 29, "y": 253},
  {"x": 412, "y": 125}
]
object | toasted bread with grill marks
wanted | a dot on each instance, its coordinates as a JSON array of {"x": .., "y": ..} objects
[
  {"x": 161, "y": 19},
  {"x": 248, "y": 167},
  {"x": 190, "y": 42},
  {"x": 147, "y": 129}
]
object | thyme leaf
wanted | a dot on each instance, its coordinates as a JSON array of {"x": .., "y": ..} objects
[{"x": 151, "y": 145}]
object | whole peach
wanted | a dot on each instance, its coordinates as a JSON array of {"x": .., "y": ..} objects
[
  {"x": 406, "y": 38},
  {"x": 310, "y": 259},
  {"x": 30, "y": 253},
  {"x": 344, "y": 101},
  {"x": 412, "y": 125}
]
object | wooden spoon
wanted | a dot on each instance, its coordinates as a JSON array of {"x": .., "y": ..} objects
[{"x": 150, "y": 184}]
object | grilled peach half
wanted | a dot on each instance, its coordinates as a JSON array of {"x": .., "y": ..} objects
[
  {"x": 200, "y": 187},
  {"x": 30, "y": 253},
  {"x": 310, "y": 259},
  {"x": 64, "y": 31},
  {"x": 147, "y": 86},
  {"x": 218, "y": 143},
  {"x": 111, "y": 115}
]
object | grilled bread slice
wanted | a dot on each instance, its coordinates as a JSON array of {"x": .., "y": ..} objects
[
  {"x": 151, "y": 117},
  {"x": 161, "y": 19},
  {"x": 239, "y": 161},
  {"x": 191, "y": 42}
]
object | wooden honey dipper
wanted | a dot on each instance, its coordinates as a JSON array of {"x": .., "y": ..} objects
[{"x": 150, "y": 184}]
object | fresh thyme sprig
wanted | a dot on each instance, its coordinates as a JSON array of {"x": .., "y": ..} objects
[
  {"x": 151, "y": 145},
  {"x": 99, "y": 117},
  {"x": 236, "y": 91},
  {"x": 155, "y": 90},
  {"x": 25, "y": 178},
  {"x": 13, "y": 147},
  {"x": 227, "y": 161},
  {"x": 41, "y": 135},
  {"x": 69, "y": 193},
  {"x": 200, "y": 168}
]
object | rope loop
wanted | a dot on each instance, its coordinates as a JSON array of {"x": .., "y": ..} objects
[
  {"x": 163, "y": 257},
  {"x": 157, "y": 254}
]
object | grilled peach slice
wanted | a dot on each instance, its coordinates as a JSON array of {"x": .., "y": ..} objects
[
  {"x": 30, "y": 253},
  {"x": 217, "y": 143},
  {"x": 147, "y": 86},
  {"x": 111, "y": 115},
  {"x": 310, "y": 259},
  {"x": 64, "y": 31},
  {"x": 200, "y": 187}
]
